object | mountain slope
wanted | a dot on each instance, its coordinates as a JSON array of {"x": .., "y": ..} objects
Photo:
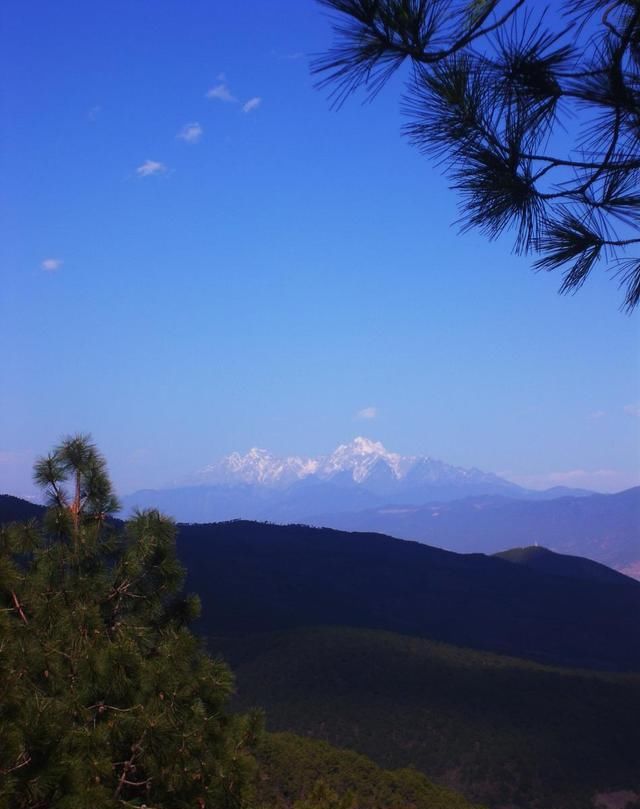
[
  {"x": 290, "y": 767},
  {"x": 254, "y": 577},
  {"x": 557, "y": 564},
  {"x": 503, "y": 731},
  {"x": 603, "y": 527},
  {"x": 15, "y": 509}
]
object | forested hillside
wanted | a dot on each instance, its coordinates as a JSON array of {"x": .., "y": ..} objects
[{"x": 505, "y": 732}]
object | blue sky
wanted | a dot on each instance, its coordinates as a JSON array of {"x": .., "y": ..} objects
[{"x": 200, "y": 256}]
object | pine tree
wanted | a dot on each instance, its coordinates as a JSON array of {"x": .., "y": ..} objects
[
  {"x": 106, "y": 698},
  {"x": 537, "y": 121}
]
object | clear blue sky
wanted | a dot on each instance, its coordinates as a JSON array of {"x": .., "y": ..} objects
[{"x": 265, "y": 282}]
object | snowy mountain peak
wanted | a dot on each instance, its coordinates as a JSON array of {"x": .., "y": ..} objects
[
  {"x": 363, "y": 461},
  {"x": 365, "y": 446},
  {"x": 359, "y": 457},
  {"x": 256, "y": 466}
]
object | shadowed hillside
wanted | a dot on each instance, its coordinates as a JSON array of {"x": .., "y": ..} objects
[
  {"x": 255, "y": 577},
  {"x": 503, "y": 731}
]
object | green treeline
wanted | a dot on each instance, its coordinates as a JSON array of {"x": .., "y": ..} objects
[{"x": 306, "y": 773}]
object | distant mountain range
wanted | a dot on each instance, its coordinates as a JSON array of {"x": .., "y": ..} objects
[
  {"x": 356, "y": 476},
  {"x": 362, "y": 461}
]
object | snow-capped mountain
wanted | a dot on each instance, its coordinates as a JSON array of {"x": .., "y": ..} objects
[
  {"x": 362, "y": 461},
  {"x": 258, "y": 466},
  {"x": 359, "y": 475}
]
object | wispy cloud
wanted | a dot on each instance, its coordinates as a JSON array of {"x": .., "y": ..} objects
[
  {"x": 191, "y": 133},
  {"x": 367, "y": 413},
  {"x": 596, "y": 415},
  {"x": 150, "y": 167},
  {"x": 633, "y": 410},
  {"x": 252, "y": 104},
  {"x": 221, "y": 92},
  {"x": 94, "y": 113},
  {"x": 52, "y": 264}
]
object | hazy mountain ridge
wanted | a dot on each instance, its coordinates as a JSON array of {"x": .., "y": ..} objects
[{"x": 602, "y": 527}]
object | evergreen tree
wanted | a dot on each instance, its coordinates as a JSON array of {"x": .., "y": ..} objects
[
  {"x": 493, "y": 83},
  {"x": 106, "y": 698}
]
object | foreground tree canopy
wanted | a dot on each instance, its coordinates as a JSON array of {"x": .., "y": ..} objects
[
  {"x": 536, "y": 118},
  {"x": 106, "y": 698}
]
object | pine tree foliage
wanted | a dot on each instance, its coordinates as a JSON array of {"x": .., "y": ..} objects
[
  {"x": 538, "y": 127},
  {"x": 106, "y": 698}
]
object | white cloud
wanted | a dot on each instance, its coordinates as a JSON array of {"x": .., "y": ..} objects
[
  {"x": 150, "y": 167},
  {"x": 633, "y": 410},
  {"x": 367, "y": 413},
  {"x": 221, "y": 92},
  {"x": 597, "y": 414},
  {"x": 252, "y": 104},
  {"x": 52, "y": 264},
  {"x": 191, "y": 133}
]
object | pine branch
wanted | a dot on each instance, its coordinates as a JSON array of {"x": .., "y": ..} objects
[
  {"x": 127, "y": 765},
  {"x": 485, "y": 98},
  {"x": 18, "y": 607}
]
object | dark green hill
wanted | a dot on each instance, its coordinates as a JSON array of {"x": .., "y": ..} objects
[
  {"x": 290, "y": 767},
  {"x": 503, "y": 731},
  {"x": 15, "y": 509},
  {"x": 257, "y": 577},
  {"x": 559, "y": 564}
]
